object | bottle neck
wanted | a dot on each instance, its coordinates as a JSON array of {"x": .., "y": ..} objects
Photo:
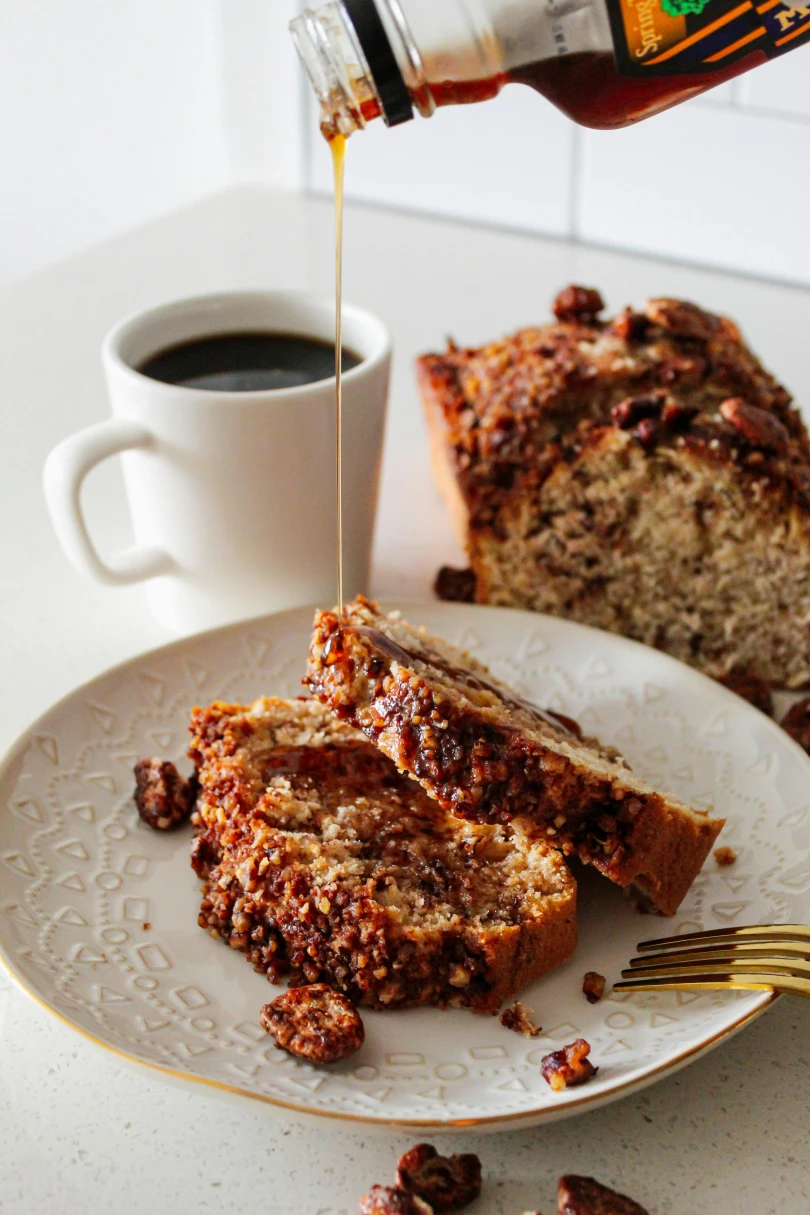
[{"x": 348, "y": 55}]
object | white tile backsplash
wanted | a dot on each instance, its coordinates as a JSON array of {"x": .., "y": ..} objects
[
  {"x": 702, "y": 184},
  {"x": 783, "y": 85},
  {"x": 506, "y": 162}
]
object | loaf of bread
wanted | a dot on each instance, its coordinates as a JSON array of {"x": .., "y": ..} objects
[
  {"x": 645, "y": 476},
  {"x": 325, "y": 865},
  {"x": 488, "y": 756}
]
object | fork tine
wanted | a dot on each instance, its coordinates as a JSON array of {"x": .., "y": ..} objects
[
  {"x": 718, "y": 982},
  {"x": 760, "y": 932},
  {"x": 728, "y": 953},
  {"x": 795, "y": 970}
]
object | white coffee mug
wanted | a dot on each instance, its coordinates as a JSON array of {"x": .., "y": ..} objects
[{"x": 232, "y": 494}]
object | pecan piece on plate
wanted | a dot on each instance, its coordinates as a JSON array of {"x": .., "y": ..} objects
[
  {"x": 755, "y": 425},
  {"x": 593, "y": 985},
  {"x": 315, "y": 1023},
  {"x": 584, "y": 1196},
  {"x": 447, "y": 1183},
  {"x": 578, "y": 304},
  {"x": 455, "y": 585},
  {"x": 755, "y": 691},
  {"x": 163, "y": 797},
  {"x": 796, "y": 723},
  {"x": 392, "y": 1200},
  {"x": 569, "y": 1066},
  {"x": 518, "y": 1018}
]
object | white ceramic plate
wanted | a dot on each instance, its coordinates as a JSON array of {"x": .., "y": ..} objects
[{"x": 98, "y": 912}]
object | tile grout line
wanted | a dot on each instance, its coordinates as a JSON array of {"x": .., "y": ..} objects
[{"x": 547, "y": 234}]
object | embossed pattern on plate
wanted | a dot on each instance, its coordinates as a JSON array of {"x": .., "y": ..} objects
[{"x": 98, "y": 913}]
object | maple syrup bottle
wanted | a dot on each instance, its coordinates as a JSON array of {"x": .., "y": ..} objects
[{"x": 604, "y": 63}]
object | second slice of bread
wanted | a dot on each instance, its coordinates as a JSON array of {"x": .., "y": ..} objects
[{"x": 488, "y": 756}]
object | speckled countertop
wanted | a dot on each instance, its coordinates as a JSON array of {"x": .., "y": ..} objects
[{"x": 80, "y": 1130}]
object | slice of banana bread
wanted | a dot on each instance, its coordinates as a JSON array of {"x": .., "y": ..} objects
[
  {"x": 325, "y": 864},
  {"x": 685, "y": 524},
  {"x": 488, "y": 756}
]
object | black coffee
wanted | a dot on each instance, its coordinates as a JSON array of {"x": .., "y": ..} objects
[{"x": 247, "y": 362}]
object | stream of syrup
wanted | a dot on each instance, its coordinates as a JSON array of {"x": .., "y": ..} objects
[{"x": 337, "y": 144}]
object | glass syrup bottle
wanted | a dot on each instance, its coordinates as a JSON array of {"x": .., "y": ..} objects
[{"x": 604, "y": 63}]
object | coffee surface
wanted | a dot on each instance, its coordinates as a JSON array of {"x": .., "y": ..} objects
[{"x": 247, "y": 362}]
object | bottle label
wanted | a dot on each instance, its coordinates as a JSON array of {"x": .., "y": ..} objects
[{"x": 676, "y": 37}]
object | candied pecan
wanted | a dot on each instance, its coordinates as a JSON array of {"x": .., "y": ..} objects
[
  {"x": 632, "y": 410},
  {"x": 448, "y": 1183},
  {"x": 578, "y": 304},
  {"x": 796, "y": 723},
  {"x": 647, "y": 432},
  {"x": 163, "y": 797},
  {"x": 630, "y": 326},
  {"x": 593, "y": 985},
  {"x": 755, "y": 425},
  {"x": 677, "y": 415},
  {"x": 755, "y": 691},
  {"x": 455, "y": 585},
  {"x": 584, "y": 1196},
  {"x": 517, "y": 1018},
  {"x": 683, "y": 319},
  {"x": 390, "y": 1200},
  {"x": 315, "y": 1023},
  {"x": 569, "y": 1066},
  {"x": 725, "y": 855}
]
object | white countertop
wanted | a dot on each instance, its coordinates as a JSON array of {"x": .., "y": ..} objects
[{"x": 80, "y": 1131}]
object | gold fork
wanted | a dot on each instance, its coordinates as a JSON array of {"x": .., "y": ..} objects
[{"x": 759, "y": 957}]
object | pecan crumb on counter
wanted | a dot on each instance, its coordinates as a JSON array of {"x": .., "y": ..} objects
[
  {"x": 584, "y": 1196},
  {"x": 593, "y": 985},
  {"x": 447, "y": 1183},
  {"x": 518, "y": 1018},
  {"x": 315, "y": 1023},
  {"x": 725, "y": 855},
  {"x": 796, "y": 723},
  {"x": 755, "y": 691},
  {"x": 392, "y": 1200},
  {"x": 569, "y": 1066},
  {"x": 454, "y": 585},
  {"x": 163, "y": 797}
]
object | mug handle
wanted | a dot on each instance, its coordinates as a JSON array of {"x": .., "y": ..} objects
[{"x": 65, "y": 470}]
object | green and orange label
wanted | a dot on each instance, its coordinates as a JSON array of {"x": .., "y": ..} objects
[{"x": 667, "y": 37}]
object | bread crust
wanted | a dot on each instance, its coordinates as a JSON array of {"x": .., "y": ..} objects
[{"x": 486, "y": 756}]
